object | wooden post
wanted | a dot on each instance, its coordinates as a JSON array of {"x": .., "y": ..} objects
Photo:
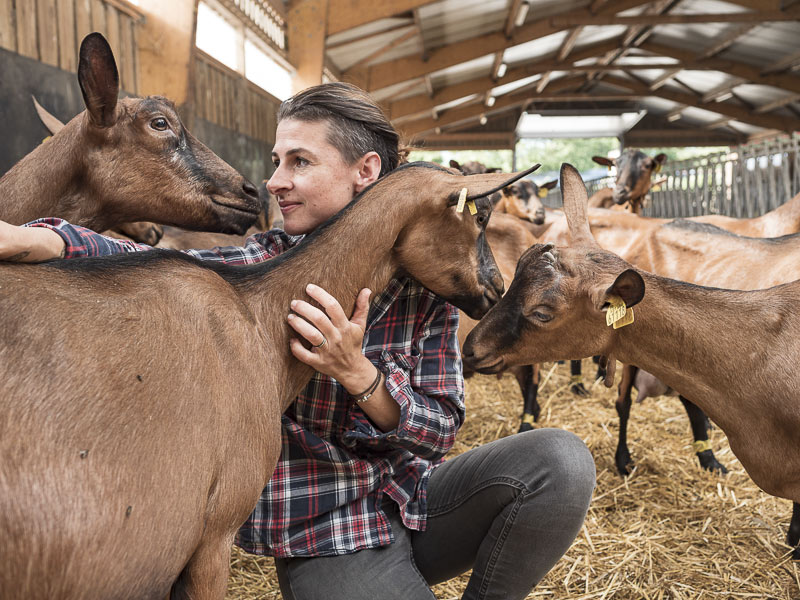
[{"x": 306, "y": 24}]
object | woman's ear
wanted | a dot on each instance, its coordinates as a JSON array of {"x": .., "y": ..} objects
[{"x": 369, "y": 169}]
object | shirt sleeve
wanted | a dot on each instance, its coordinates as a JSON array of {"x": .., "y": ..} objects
[
  {"x": 82, "y": 242},
  {"x": 428, "y": 386}
]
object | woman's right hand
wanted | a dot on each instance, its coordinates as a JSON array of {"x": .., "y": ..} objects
[{"x": 29, "y": 244}]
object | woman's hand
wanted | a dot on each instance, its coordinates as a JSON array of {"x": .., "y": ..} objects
[
  {"x": 336, "y": 340},
  {"x": 29, "y": 244}
]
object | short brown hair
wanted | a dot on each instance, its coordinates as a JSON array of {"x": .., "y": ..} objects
[{"x": 357, "y": 125}]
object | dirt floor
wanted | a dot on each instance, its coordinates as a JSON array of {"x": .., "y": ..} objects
[{"x": 668, "y": 531}]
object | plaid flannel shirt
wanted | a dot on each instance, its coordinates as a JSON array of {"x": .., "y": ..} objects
[{"x": 335, "y": 467}]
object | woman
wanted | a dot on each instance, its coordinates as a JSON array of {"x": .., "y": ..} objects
[{"x": 361, "y": 504}]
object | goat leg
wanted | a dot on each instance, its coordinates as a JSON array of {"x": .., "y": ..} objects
[
  {"x": 205, "y": 576},
  {"x": 700, "y": 424},
  {"x": 576, "y": 386},
  {"x": 601, "y": 371},
  {"x": 528, "y": 379},
  {"x": 793, "y": 537},
  {"x": 622, "y": 458}
]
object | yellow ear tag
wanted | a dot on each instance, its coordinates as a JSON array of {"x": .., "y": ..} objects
[
  {"x": 473, "y": 210},
  {"x": 616, "y": 310},
  {"x": 627, "y": 319},
  {"x": 658, "y": 168},
  {"x": 542, "y": 193}
]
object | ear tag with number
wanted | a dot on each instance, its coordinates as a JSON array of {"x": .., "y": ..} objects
[
  {"x": 542, "y": 193},
  {"x": 616, "y": 310},
  {"x": 627, "y": 319},
  {"x": 462, "y": 198},
  {"x": 473, "y": 210},
  {"x": 658, "y": 168}
]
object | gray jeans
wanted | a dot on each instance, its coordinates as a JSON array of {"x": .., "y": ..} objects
[{"x": 507, "y": 510}]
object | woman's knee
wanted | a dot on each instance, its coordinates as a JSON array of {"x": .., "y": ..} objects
[{"x": 558, "y": 462}]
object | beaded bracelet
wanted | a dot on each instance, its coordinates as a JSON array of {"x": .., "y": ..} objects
[{"x": 364, "y": 396}]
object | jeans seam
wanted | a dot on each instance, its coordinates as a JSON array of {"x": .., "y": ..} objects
[
  {"x": 489, "y": 572},
  {"x": 482, "y": 486}
]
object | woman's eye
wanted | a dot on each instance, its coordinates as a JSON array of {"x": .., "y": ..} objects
[
  {"x": 159, "y": 124},
  {"x": 302, "y": 162}
]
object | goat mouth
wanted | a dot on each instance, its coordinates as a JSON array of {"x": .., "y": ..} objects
[{"x": 230, "y": 204}]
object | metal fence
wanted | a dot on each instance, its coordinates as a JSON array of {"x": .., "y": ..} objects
[{"x": 746, "y": 181}]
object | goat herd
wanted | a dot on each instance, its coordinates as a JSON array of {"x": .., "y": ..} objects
[{"x": 132, "y": 450}]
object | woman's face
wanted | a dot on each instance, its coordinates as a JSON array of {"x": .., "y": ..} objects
[{"x": 312, "y": 181}]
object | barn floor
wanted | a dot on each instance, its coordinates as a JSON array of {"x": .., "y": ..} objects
[{"x": 669, "y": 531}]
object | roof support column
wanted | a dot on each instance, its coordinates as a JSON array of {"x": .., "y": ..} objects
[{"x": 306, "y": 28}]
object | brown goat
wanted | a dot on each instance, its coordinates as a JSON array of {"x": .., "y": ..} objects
[
  {"x": 733, "y": 352},
  {"x": 634, "y": 179},
  {"x": 136, "y": 435},
  {"x": 125, "y": 160}
]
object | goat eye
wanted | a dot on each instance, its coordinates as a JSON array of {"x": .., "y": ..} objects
[
  {"x": 481, "y": 219},
  {"x": 540, "y": 316},
  {"x": 159, "y": 124}
]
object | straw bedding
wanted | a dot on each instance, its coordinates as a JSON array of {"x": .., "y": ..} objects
[{"x": 669, "y": 531}]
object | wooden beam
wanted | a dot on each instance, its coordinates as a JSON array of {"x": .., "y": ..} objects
[
  {"x": 661, "y": 80},
  {"x": 347, "y": 14},
  {"x": 569, "y": 43},
  {"x": 690, "y": 61},
  {"x": 725, "y": 89},
  {"x": 542, "y": 83},
  {"x": 403, "y": 69},
  {"x": 724, "y": 41},
  {"x": 770, "y": 106},
  {"x": 363, "y": 38},
  {"x": 758, "y": 4},
  {"x": 306, "y": 30},
  {"x": 785, "y": 63},
  {"x": 726, "y": 109},
  {"x": 511, "y": 17},
  {"x": 383, "y": 49},
  {"x": 422, "y": 103},
  {"x": 682, "y": 19}
]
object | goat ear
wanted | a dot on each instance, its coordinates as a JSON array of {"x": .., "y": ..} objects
[
  {"x": 494, "y": 170},
  {"x": 575, "y": 198},
  {"x": 660, "y": 158},
  {"x": 629, "y": 286},
  {"x": 99, "y": 80},
  {"x": 550, "y": 184},
  {"x": 602, "y": 160},
  {"x": 454, "y": 164}
]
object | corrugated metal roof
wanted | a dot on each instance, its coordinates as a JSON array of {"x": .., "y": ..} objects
[{"x": 440, "y": 24}]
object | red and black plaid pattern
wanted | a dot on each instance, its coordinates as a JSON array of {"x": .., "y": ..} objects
[{"x": 336, "y": 468}]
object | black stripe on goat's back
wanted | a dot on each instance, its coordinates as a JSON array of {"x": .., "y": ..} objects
[{"x": 129, "y": 262}]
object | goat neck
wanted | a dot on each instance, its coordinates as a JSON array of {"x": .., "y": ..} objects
[{"x": 54, "y": 190}]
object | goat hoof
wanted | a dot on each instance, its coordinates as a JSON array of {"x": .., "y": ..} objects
[
  {"x": 601, "y": 374},
  {"x": 579, "y": 390},
  {"x": 624, "y": 465},
  {"x": 710, "y": 463}
]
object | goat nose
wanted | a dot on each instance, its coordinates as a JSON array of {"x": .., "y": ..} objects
[{"x": 249, "y": 189}]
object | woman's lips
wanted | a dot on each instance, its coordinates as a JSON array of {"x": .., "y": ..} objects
[{"x": 287, "y": 207}]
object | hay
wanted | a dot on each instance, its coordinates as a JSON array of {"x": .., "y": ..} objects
[{"x": 669, "y": 531}]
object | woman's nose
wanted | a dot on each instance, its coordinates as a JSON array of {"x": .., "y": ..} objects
[{"x": 278, "y": 181}]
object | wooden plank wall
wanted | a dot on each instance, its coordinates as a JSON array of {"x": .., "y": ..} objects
[
  {"x": 228, "y": 99},
  {"x": 51, "y": 31}
]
